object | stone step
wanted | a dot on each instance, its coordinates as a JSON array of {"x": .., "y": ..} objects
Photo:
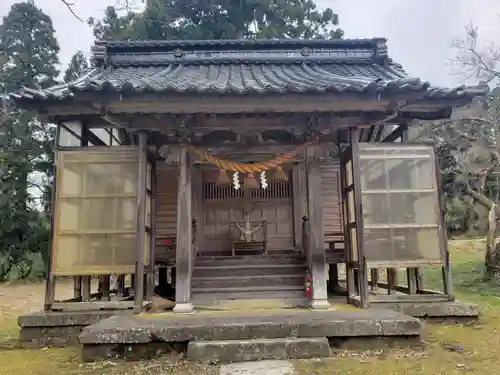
[
  {"x": 276, "y": 281},
  {"x": 217, "y": 294},
  {"x": 248, "y": 260},
  {"x": 249, "y": 270},
  {"x": 226, "y": 351},
  {"x": 245, "y": 305}
]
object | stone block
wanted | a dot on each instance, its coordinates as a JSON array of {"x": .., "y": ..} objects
[
  {"x": 57, "y": 328},
  {"x": 440, "y": 311},
  {"x": 225, "y": 351}
]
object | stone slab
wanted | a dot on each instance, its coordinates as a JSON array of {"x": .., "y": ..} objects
[
  {"x": 132, "y": 352},
  {"x": 226, "y": 351},
  {"x": 41, "y": 337},
  {"x": 258, "y": 368},
  {"x": 63, "y": 318},
  {"x": 239, "y": 325},
  {"x": 440, "y": 310},
  {"x": 57, "y": 329}
]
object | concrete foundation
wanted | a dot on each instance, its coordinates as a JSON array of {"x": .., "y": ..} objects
[
  {"x": 257, "y": 350},
  {"x": 446, "y": 312},
  {"x": 126, "y": 334},
  {"x": 57, "y": 329}
]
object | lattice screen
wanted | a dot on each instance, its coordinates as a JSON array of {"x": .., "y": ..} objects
[
  {"x": 400, "y": 204},
  {"x": 275, "y": 190},
  {"x": 95, "y": 217}
]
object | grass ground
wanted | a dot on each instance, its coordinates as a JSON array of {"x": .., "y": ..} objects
[
  {"x": 22, "y": 298},
  {"x": 449, "y": 350}
]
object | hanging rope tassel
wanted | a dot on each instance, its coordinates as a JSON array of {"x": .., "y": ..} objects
[
  {"x": 249, "y": 182},
  {"x": 223, "y": 179},
  {"x": 279, "y": 175}
]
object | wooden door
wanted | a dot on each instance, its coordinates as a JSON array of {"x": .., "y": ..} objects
[{"x": 224, "y": 205}]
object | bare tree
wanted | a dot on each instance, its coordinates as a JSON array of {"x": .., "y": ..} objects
[
  {"x": 70, "y": 5},
  {"x": 474, "y": 133},
  {"x": 125, "y": 5},
  {"x": 475, "y": 61}
]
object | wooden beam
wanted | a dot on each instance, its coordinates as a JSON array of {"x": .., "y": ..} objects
[
  {"x": 397, "y": 133},
  {"x": 93, "y": 305},
  {"x": 401, "y": 298},
  {"x": 184, "y": 250},
  {"x": 188, "y": 104},
  {"x": 141, "y": 218},
  {"x": 316, "y": 248}
]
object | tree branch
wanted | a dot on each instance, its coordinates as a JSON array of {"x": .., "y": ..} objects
[
  {"x": 484, "y": 200},
  {"x": 70, "y": 7}
]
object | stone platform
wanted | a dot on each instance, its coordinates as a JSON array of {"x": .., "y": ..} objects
[
  {"x": 58, "y": 329},
  {"x": 440, "y": 312},
  {"x": 214, "y": 335}
]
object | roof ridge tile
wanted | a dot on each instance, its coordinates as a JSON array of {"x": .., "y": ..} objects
[{"x": 152, "y": 52}]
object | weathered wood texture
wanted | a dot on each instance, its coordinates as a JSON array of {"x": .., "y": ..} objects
[
  {"x": 332, "y": 208},
  {"x": 184, "y": 251},
  {"x": 166, "y": 209},
  {"x": 141, "y": 219},
  {"x": 299, "y": 203},
  {"x": 316, "y": 249}
]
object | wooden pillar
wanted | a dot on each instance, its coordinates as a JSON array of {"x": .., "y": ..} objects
[
  {"x": 392, "y": 280},
  {"x": 298, "y": 204},
  {"x": 358, "y": 208},
  {"x": 106, "y": 286},
  {"x": 443, "y": 237},
  {"x": 50, "y": 283},
  {"x": 411, "y": 277},
  {"x": 184, "y": 252},
  {"x": 141, "y": 219},
  {"x": 197, "y": 207},
  {"x": 120, "y": 286},
  {"x": 316, "y": 253},
  {"x": 374, "y": 278},
  {"x": 150, "y": 280},
  {"x": 77, "y": 281},
  {"x": 86, "y": 288}
]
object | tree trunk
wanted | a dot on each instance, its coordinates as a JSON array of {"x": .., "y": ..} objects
[{"x": 492, "y": 253}]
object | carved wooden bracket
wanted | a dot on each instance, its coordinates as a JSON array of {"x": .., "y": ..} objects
[
  {"x": 312, "y": 131},
  {"x": 184, "y": 129}
]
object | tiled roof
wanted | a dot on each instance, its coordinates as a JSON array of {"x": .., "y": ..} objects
[{"x": 245, "y": 67}]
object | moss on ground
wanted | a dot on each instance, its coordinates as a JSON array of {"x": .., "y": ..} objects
[
  {"x": 450, "y": 349},
  {"x": 22, "y": 298}
]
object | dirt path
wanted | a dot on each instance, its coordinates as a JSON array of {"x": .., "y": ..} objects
[{"x": 22, "y": 298}]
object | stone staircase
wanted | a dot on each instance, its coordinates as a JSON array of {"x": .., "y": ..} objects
[{"x": 275, "y": 276}]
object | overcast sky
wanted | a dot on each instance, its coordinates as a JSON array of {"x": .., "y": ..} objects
[{"x": 419, "y": 32}]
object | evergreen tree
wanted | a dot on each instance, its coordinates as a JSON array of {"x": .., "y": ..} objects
[
  {"x": 219, "y": 19},
  {"x": 76, "y": 67},
  {"x": 30, "y": 57}
]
